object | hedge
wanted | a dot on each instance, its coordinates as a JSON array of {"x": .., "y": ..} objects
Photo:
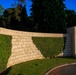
[{"x": 49, "y": 46}]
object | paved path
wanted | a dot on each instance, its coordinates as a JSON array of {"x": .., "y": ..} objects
[{"x": 69, "y": 69}]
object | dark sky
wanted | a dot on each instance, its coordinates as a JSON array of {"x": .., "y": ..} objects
[{"x": 70, "y": 4}]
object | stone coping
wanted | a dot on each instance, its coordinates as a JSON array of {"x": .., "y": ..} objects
[{"x": 32, "y": 34}]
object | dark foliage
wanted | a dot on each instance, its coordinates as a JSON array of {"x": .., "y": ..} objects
[
  {"x": 71, "y": 18},
  {"x": 46, "y": 16},
  {"x": 49, "y": 16},
  {"x": 16, "y": 18}
]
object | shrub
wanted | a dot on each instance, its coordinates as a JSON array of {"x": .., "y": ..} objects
[
  {"x": 5, "y": 50},
  {"x": 49, "y": 47}
]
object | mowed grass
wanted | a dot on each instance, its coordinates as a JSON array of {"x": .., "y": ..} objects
[
  {"x": 38, "y": 67},
  {"x": 5, "y": 50}
]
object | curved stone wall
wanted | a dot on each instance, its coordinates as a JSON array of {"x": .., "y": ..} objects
[{"x": 23, "y": 48}]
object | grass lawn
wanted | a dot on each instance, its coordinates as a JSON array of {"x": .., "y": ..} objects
[
  {"x": 5, "y": 50},
  {"x": 38, "y": 67}
]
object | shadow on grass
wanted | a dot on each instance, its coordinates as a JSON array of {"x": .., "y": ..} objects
[
  {"x": 69, "y": 57},
  {"x": 6, "y": 71}
]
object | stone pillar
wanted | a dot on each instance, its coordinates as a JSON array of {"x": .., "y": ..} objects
[
  {"x": 70, "y": 31},
  {"x": 74, "y": 41}
]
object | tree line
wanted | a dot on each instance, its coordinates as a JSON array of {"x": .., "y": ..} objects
[{"x": 50, "y": 16}]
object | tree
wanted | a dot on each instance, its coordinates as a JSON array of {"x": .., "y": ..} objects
[
  {"x": 15, "y": 18},
  {"x": 38, "y": 14},
  {"x": 71, "y": 18},
  {"x": 22, "y": 1},
  {"x": 1, "y": 10},
  {"x": 49, "y": 15},
  {"x": 18, "y": 2}
]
